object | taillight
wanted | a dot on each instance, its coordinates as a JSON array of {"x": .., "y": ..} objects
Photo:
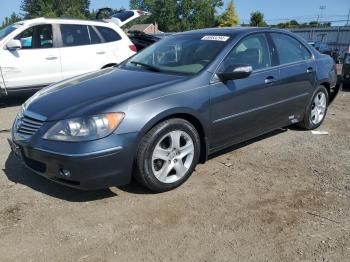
[{"x": 133, "y": 48}]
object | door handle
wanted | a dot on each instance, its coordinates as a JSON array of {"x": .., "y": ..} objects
[
  {"x": 309, "y": 70},
  {"x": 270, "y": 80},
  {"x": 100, "y": 52},
  {"x": 51, "y": 58}
]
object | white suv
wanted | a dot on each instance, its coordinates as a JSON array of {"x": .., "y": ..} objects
[{"x": 35, "y": 53}]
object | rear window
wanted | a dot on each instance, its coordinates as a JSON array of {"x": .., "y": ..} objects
[
  {"x": 75, "y": 35},
  {"x": 108, "y": 34},
  {"x": 125, "y": 15}
]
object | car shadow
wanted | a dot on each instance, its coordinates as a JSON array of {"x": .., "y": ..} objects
[
  {"x": 248, "y": 142},
  {"x": 17, "y": 173},
  {"x": 135, "y": 188},
  {"x": 346, "y": 88},
  {"x": 10, "y": 101}
]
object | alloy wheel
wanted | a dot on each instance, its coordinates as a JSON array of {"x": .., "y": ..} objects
[{"x": 172, "y": 156}]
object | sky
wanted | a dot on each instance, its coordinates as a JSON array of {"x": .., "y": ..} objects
[{"x": 275, "y": 11}]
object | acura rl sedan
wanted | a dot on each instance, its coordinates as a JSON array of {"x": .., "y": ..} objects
[{"x": 160, "y": 113}]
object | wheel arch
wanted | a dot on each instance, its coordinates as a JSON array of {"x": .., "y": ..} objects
[{"x": 188, "y": 116}]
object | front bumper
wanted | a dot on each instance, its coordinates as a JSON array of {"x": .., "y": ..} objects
[{"x": 91, "y": 170}]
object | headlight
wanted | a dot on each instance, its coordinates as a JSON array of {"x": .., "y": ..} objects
[{"x": 84, "y": 129}]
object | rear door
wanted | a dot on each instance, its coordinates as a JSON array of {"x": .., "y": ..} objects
[
  {"x": 82, "y": 50},
  {"x": 37, "y": 63},
  {"x": 297, "y": 72}
]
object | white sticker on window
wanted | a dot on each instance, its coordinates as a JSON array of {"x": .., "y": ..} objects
[{"x": 215, "y": 38}]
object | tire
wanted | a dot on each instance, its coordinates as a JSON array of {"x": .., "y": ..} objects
[
  {"x": 163, "y": 164},
  {"x": 309, "y": 121}
]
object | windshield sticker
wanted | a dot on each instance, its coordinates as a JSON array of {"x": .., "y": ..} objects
[{"x": 216, "y": 38}]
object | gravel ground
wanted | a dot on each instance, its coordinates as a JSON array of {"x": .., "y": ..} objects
[{"x": 282, "y": 197}]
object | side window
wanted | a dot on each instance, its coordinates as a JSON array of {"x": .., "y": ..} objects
[
  {"x": 39, "y": 36},
  {"x": 108, "y": 34},
  {"x": 95, "y": 39},
  {"x": 74, "y": 35},
  {"x": 26, "y": 38},
  {"x": 288, "y": 49},
  {"x": 44, "y": 36},
  {"x": 252, "y": 50}
]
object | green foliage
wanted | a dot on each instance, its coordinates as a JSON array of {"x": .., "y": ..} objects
[
  {"x": 229, "y": 18},
  {"x": 295, "y": 24},
  {"x": 257, "y": 19},
  {"x": 13, "y": 18},
  {"x": 53, "y": 8},
  {"x": 182, "y": 15}
]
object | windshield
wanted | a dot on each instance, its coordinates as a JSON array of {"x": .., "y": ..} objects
[
  {"x": 8, "y": 30},
  {"x": 182, "y": 54}
]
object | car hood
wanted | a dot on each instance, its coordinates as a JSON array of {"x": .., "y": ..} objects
[{"x": 84, "y": 94}]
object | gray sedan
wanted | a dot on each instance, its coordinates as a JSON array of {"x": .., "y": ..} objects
[{"x": 160, "y": 113}]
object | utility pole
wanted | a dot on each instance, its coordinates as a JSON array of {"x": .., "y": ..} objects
[
  {"x": 322, "y": 7},
  {"x": 347, "y": 21}
]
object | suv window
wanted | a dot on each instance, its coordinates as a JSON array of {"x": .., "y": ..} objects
[
  {"x": 39, "y": 36},
  {"x": 252, "y": 50},
  {"x": 75, "y": 35},
  {"x": 108, "y": 34},
  {"x": 95, "y": 39},
  {"x": 288, "y": 49}
]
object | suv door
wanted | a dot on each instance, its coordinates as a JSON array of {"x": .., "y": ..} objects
[
  {"x": 297, "y": 74},
  {"x": 244, "y": 108},
  {"x": 36, "y": 64},
  {"x": 82, "y": 50}
]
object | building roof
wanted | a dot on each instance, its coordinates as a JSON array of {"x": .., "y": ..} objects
[{"x": 139, "y": 27}]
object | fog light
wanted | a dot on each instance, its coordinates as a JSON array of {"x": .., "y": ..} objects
[{"x": 64, "y": 172}]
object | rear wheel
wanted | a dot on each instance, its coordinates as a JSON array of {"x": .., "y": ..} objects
[
  {"x": 316, "y": 111},
  {"x": 167, "y": 155}
]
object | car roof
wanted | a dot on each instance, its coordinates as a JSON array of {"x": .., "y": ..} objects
[
  {"x": 62, "y": 21},
  {"x": 233, "y": 30}
]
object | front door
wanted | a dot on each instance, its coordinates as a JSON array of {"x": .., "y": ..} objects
[
  {"x": 36, "y": 64},
  {"x": 244, "y": 108}
]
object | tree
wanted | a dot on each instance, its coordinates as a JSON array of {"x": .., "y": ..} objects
[
  {"x": 13, "y": 18},
  {"x": 229, "y": 18},
  {"x": 257, "y": 19},
  {"x": 180, "y": 15},
  {"x": 53, "y": 8}
]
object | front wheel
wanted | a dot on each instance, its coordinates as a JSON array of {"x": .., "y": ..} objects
[
  {"x": 168, "y": 154},
  {"x": 316, "y": 110}
]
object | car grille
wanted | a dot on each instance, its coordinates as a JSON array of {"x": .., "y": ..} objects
[{"x": 28, "y": 126}]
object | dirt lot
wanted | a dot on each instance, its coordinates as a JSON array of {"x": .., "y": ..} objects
[{"x": 284, "y": 197}]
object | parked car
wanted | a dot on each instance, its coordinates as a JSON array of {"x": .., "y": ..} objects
[
  {"x": 346, "y": 69},
  {"x": 168, "y": 107},
  {"x": 38, "y": 52},
  {"x": 324, "y": 48}
]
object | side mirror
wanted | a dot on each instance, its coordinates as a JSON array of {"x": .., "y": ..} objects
[
  {"x": 234, "y": 72},
  {"x": 14, "y": 45}
]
